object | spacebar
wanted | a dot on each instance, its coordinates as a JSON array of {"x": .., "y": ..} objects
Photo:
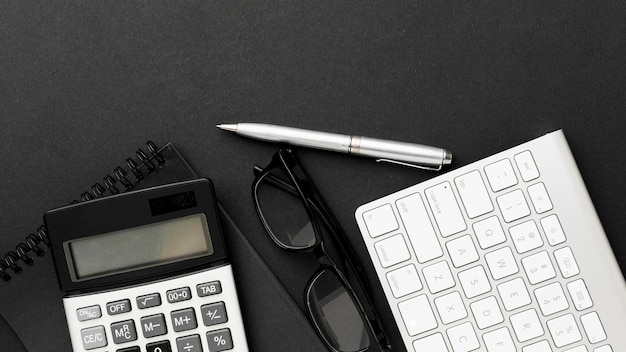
[{"x": 419, "y": 228}]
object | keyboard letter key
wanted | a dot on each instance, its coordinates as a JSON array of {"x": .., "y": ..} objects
[
  {"x": 419, "y": 228},
  {"x": 463, "y": 338},
  {"x": 473, "y": 194},
  {"x": 526, "y": 325},
  {"x": 501, "y": 263},
  {"x": 445, "y": 209}
]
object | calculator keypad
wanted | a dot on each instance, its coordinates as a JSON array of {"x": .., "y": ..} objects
[{"x": 200, "y": 316}]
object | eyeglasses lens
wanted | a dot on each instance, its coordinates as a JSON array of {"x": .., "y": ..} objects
[
  {"x": 284, "y": 213},
  {"x": 336, "y": 314}
]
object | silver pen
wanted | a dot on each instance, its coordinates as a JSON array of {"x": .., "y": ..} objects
[{"x": 407, "y": 154}]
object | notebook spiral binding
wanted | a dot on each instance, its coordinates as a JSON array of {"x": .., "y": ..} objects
[{"x": 33, "y": 242}]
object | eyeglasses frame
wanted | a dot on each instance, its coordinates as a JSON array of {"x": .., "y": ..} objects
[{"x": 353, "y": 279}]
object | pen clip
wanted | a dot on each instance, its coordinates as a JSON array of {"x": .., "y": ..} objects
[{"x": 391, "y": 161}]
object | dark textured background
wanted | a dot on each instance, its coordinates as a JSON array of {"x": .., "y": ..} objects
[{"x": 83, "y": 84}]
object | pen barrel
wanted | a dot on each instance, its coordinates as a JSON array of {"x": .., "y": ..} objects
[
  {"x": 299, "y": 137},
  {"x": 398, "y": 151}
]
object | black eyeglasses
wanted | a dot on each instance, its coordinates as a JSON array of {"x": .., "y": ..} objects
[{"x": 296, "y": 217}]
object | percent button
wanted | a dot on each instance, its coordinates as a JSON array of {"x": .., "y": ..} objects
[{"x": 219, "y": 340}]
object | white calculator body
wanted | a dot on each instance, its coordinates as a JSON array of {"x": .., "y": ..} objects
[{"x": 147, "y": 271}]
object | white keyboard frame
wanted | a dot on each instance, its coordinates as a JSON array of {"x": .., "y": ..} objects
[{"x": 570, "y": 201}]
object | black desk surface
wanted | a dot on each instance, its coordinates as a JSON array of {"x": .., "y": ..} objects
[{"x": 84, "y": 84}]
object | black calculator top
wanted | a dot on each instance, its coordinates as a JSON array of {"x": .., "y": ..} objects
[{"x": 136, "y": 236}]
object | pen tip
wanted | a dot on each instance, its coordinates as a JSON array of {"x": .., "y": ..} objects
[{"x": 228, "y": 127}]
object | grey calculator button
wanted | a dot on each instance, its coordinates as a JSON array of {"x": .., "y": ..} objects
[
  {"x": 123, "y": 331},
  {"x": 118, "y": 307},
  {"x": 94, "y": 337},
  {"x": 153, "y": 325},
  {"x": 209, "y": 288},
  {"x": 189, "y": 343},
  {"x": 160, "y": 346},
  {"x": 214, "y": 313},
  {"x": 147, "y": 301},
  {"x": 178, "y": 295},
  {"x": 184, "y": 319},
  {"x": 88, "y": 313},
  {"x": 129, "y": 349},
  {"x": 219, "y": 340}
]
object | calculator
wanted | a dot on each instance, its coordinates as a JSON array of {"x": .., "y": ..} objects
[{"x": 147, "y": 271}]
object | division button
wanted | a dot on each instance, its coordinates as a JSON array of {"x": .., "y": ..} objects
[{"x": 189, "y": 343}]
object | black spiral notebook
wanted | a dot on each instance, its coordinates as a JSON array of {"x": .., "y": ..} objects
[{"x": 31, "y": 300}]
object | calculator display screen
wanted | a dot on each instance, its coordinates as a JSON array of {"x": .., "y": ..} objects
[{"x": 139, "y": 247}]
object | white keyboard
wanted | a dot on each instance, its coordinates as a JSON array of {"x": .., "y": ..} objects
[{"x": 506, "y": 254}]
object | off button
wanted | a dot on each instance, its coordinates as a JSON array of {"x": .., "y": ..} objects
[
  {"x": 118, "y": 307},
  {"x": 93, "y": 337}
]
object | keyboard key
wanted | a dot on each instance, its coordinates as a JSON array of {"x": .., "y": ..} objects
[
  {"x": 404, "y": 281},
  {"x": 417, "y": 315},
  {"x": 463, "y": 338},
  {"x": 489, "y": 232},
  {"x": 474, "y": 281},
  {"x": 551, "y": 299},
  {"x": 580, "y": 296},
  {"x": 593, "y": 327},
  {"x": 514, "y": 294},
  {"x": 462, "y": 251},
  {"x": 500, "y": 175},
  {"x": 541, "y": 346},
  {"x": 438, "y": 277},
  {"x": 380, "y": 221},
  {"x": 526, "y": 166},
  {"x": 214, "y": 313},
  {"x": 564, "y": 330},
  {"x": 432, "y": 343},
  {"x": 577, "y": 349},
  {"x": 501, "y": 263},
  {"x": 418, "y": 227},
  {"x": 445, "y": 209},
  {"x": 526, "y": 325},
  {"x": 486, "y": 312},
  {"x": 566, "y": 262},
  {"x": 539, "y": 197},
  {"x": 513, "y": 205},
  {"x": 184, "y": 319},
  {"x": 499, "y": 341},
  {"x": 605, "y": 348},
  {"x": 538, "y": 267},
  {"x": 392, "y": 251},
  {"x": 525, "y": 236},
  {"x": 473, "y": 194},
  {"x": 450, "y": 307},
  {"x": 553, "y": 230}
]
